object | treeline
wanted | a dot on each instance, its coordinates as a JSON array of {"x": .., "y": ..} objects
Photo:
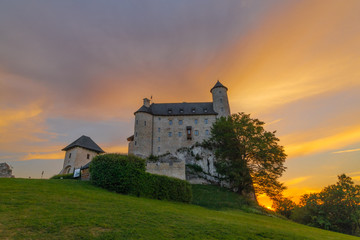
[{"x": 336, "y": 207}]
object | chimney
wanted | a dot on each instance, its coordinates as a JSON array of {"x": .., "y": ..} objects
[{"x": 146, "y": 102}]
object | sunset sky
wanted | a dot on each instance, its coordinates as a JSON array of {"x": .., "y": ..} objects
[{"x": 72, "y": 68}]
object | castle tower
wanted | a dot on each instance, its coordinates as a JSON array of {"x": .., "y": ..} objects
[
  {"x": 79, "y": 153},
  {"x": 220, "y": 100},
  {"x": 141, "y": 145}
]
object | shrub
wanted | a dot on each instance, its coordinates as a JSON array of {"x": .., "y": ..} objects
[
  {"x": 63, "y": 176},
  {"x": 116, "y": 172},
  {"x": 126, "y": 174}
]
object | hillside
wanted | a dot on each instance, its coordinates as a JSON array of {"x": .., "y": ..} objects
[{"x": 68, "y": 209}]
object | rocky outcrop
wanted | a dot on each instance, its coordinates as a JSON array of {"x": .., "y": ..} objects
[{"x": 5, "y": 171}]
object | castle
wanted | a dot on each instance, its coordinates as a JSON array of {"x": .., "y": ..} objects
[{"x": 162, "y": 128}]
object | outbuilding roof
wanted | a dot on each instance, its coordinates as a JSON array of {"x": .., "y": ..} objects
[
  {"x": 84, "y": 142},
  {"x": 178, "y": 109}
]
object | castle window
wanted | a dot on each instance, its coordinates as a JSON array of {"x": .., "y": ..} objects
[
  {"x": 206, "y": 121},
  {"x": 87, "y": 156},
  {"x": 170, "y": 134},
  {"x": 169, "y": 110},
  {"x": 205, "y": 110},
  {"x": 179, "y": 134},
  {"x": 180, "y": 122},
  {"x": 144, "y": 123},
  {"x": 221, "y": 100},
  {"x": 206, "y": 132},
  {"x": 158, "y": 149},
  {"x": 181, "y": 110},
  {"x": 222, "y": 109},
  {"x": 158, "y": 129},
  {"x": 137, "y": 122},
  {"x": 170, "y": 122},
  {"x": 196, "y": 132},
  {"x": 159, "y": 118},
  {"x": 69, "y": 155},
  {"x": 135, "y": 143},
  {"x": 135, "y": 134},
  {"x": 193, "y": 110},
  {"x": 188, "y": 133},
  {"x": 196, "y": 121},
  {"x": 158, "y": 139}
]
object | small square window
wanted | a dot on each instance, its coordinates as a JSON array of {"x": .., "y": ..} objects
[
  {"x": 207, "y": 132},
  {"x": 179, "y": 134},
  {"x": 180, "y": 122},
  {"x": 87, "y": 156},
  {"x": 159, "y": 118},
  {"x": 196, "y": 132},
  {"x": 196, "y": 121},
  {"x": 170, "y": 122},
  {"x": 170, "y": 134},
  {"x": 206, "y": 121}
]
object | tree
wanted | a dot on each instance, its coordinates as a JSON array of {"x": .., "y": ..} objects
[
  {"x": 336, "y": 207},
  {"x": 283, "y": 206},
  {"x": 248, "y": 157}
]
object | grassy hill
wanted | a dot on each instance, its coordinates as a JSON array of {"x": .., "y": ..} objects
[{"x": 68, "y": 209}]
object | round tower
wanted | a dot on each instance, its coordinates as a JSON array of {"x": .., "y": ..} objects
[
  {"x": 220, "y": 100},
  {"x": 142, "y": 143}
]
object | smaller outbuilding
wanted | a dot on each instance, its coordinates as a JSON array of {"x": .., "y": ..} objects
[{"x": 79, "y": 153}]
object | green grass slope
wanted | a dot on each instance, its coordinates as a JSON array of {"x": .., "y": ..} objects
[{"x": 68, "y": 209}]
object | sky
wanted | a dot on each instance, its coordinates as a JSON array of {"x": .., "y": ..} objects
[{"x": 72, "y": 68}]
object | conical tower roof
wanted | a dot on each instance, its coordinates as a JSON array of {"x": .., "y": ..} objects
[{"x": 218, "y": 84}]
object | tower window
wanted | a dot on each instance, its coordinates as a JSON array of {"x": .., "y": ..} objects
[
  {"x": 196, "y": 132},
  {"x": 170, "y": 122},
  {"x": 158, "y": 149},
  {"x": 170, "y": 134},
  {"x": 158, "y": 129},
  {"x": 180, "y": 122},
  {"x": 87, "y": 156},
  {"x": 135, "y": 134},
  {"x": 158, "y": 139},
  {"x": 222, "y": 109},
  {"x": 144, "y": 123},
  {"x": 188, "y": 133},
  {"x": 69, "y": 155},
  {"x": 196, "y": 121},
  {"x": 179, "y": 134},
  {"x": 206, "y": 121},
  {"x": 159, "y": 118},
  {"x": 137, "y": 122},
  {"x": 221, "y": 100},
  {"x": 135, "y": 143},
  {"x": 206, "y": 132}
]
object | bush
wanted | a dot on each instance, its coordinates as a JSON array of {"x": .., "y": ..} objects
[
  {"x": 115, "y": 172},
  {"x": 126, "y": 174},
  {"x": 63, "y": 176}
]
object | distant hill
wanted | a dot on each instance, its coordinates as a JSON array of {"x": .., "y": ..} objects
[{"x": 69, "y": 209}]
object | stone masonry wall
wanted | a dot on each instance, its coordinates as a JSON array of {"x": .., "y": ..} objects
[{"x": 78, "y": 159}]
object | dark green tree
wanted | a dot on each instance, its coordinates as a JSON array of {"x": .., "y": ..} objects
[
  {"x": 248, "y": 157},
  {"x": 336, "y": 207},
  {"x": 283, "y": 206}
]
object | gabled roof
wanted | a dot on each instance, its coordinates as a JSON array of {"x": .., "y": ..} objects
[
  {"x": 179, "y": 109},
  {"x": 218, "y": 84},
  {"x": 84, "y": 142}
]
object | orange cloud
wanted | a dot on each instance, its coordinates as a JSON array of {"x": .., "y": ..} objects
[{"x": 346, "y": 151}]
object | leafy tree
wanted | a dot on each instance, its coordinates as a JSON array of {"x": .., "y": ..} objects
[
  {"x": 283, "y": 206},
  {"x": 248, "y": 157},
  {"x": 336, "y": 207}
]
